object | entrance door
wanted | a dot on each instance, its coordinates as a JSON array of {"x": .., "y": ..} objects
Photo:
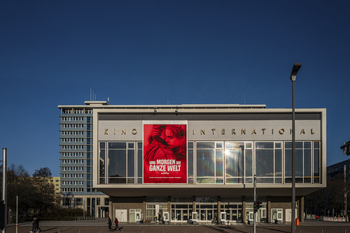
[
  {"x": 179, "y": 215},
  {"x": 203, "y": 215},
  {"x": 206, "y": 215},
  {"x": 263, "y": 215},
  {"x": 209, "y": 215},
  {"x": 251, "y": 216},
  {"x": 182, "y": 215},
  {"x": 185, "y": 215},
  {"x": 121, "y": 215},
  {"x": 277, "y": 214},
  {"x": 289, "y": 214}
]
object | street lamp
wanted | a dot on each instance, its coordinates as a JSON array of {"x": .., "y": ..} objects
[{"x": 293, "y": 77}]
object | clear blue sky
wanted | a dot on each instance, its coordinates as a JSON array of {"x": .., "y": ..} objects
[{"x": 159, "y": 52}]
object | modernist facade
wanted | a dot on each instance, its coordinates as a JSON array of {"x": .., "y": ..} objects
[
  {"x": 187, "y": 159},
  {"x": 76, "y": 145},
  {"x": 337, "y": 170}
]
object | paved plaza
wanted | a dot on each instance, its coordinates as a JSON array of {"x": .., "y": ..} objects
[{"x": 100, "y": 226}]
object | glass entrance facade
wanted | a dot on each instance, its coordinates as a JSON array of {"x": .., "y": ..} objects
[
  {"x": 233, "y": 211},
  {"x": 181, "y": 212}
]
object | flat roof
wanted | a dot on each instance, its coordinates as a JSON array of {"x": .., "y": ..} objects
[{"x": 105, "y": 104}]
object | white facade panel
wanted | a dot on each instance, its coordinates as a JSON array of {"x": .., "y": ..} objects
[{"x": 220, "y": 130}]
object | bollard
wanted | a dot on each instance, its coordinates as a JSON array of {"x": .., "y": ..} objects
[
  {"x": 79, "y": 231},
  {"x": 58, "y": 230}
]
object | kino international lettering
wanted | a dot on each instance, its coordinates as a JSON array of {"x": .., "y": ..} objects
[{"x": 214, "y": 131}]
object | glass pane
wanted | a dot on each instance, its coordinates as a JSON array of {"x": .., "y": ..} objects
[
  {"x": 299, "y": 162},
  {"x": 232, "y": 145},
  {"x": 248, "y": 163},
  {"x": 264, "y": 145},
  {"x": 190, "y": 144},
  {"x": 205, "y": 144},
  {"x": 298, "y": 145},
  {"x": 117, "y": 145},
  {"x": 307, "y": 144},
  {"x": 234, "y": 162},
  {"x": 278, "y": 163},
  {"x": 316, "y": 166},
  {"x": 190, "y": 163},
  {"x": 219, "y": 180},
  {"x": 185, "y": 215},
  {"x": 307, "y": 163},
  {"x": 117, "y": 180},
  {"x": 219, "y": 163},
  {"x": 210, "y": 215},
  {"x": 102, "y": 163},
  {"x": 203, "y": 215},
  {"x": 205, "y": 162},
  {"x": 264, "y": 180},
  {"x": 117, "y": 163},
  {"x": 131, "y": 163},
  {"x": 139, "y": 163},
  {"x": 264, "y": 162},
  {"x": 288, "y": 162},
  {"x": 206, "y": 180},
  {"x": 278, "y": 180},
  {"x": 219, "y": 145},
  {"x": 316, "y": 145},
  {"x": 230, "y": 180}
]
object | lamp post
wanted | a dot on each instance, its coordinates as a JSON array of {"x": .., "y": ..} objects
[{"x": 293, "y": 77}]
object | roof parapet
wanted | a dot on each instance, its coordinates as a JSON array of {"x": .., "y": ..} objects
[{"x": 96, "y": 102}]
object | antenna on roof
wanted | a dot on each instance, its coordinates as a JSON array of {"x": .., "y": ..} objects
[{"x": 92, "y": 95}]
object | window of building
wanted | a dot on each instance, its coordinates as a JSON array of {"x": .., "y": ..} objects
[
  {"x": 238, "y": 156},
  {"x": 303, "y": 162},
  {"x": 190, "y": 163},
  {"x": 210, "y": 162},
  {"x": 121, "y": 163},
  {"x": 79, "y": 201},
  {"x": 268, "y": 162}
]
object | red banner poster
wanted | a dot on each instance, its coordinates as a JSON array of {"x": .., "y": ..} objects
[{"x": 165, "y": 153}]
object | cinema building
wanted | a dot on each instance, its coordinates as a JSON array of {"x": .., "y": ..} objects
[{"x": 185, "y": 159}]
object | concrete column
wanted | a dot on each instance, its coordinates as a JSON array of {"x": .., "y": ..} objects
[
  {"x": 144, "y": 210},
  {"x": 301, "y": 209},
  {"x": 219, "y": 209},
  {"x": 243, "y": 209},
  {"x": 111, "y": 210},
  {"x": 268, "y": 209},
  {"x": 169, "y": 207}
]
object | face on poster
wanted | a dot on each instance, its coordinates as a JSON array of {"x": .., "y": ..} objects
[{"x": 165, "y": 153}]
